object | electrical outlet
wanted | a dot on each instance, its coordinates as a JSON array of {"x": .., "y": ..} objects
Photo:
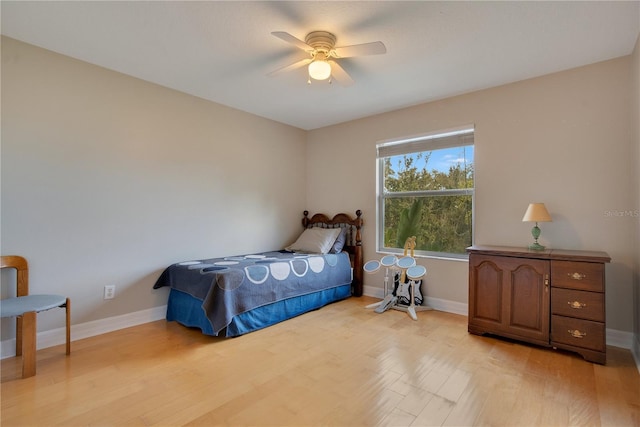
[{"x": 109, "y": 291}]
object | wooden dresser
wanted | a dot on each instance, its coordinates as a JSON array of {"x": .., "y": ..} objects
[{"x": 554, "y": 297}]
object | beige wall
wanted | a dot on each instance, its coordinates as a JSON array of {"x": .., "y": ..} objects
[
  {"x": 562, "y": 139},
  {"x": 107, "y": 179},
  {"x": 635, "y": 116}
]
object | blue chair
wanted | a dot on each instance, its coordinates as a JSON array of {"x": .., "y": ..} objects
[{"x": 24, "y": 308}]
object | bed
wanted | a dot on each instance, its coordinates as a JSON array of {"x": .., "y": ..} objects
[{"x": 234, "y": 295}]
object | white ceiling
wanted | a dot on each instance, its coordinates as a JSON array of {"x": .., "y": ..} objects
[{"x": 222, "y": 51}]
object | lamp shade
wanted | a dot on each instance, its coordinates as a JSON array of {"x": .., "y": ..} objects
[
  {"x": 319, "y": 70},
  {"x": 536, "y": 212}
]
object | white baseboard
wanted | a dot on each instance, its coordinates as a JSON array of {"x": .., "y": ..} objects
[
  {"x": 435, "y": 303},
  {"x": 620, "y": 339},
  {"x": 635, "y": 351},
  {"x": 54, "y": 337},
  {"x": 615, "y": 337}
]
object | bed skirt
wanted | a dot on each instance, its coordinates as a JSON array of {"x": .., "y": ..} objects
[{"x": 187, "y": 310}]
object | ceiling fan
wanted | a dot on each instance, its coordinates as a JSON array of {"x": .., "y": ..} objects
[{"x": 323, "y": 53}]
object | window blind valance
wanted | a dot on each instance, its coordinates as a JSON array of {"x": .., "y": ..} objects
[{"x": 426, "y": 143}]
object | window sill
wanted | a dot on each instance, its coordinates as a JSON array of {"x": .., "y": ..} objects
[{"x": 443, "y": 257}]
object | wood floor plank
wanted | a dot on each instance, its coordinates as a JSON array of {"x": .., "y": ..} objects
[
  {"x": 472, "y": 401},
  {"x": 435, "y": 413},
  {"x": 342, "y": 365},
  {"x": 398, "y": 418}
]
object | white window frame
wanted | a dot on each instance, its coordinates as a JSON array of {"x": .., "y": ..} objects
[{"x": 456, "y": 137}]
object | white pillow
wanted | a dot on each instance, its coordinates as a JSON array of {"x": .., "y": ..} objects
[{"x": 315, "y": 240}]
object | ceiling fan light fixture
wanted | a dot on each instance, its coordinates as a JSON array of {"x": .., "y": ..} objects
[
  {"x": 319, "y": 70},
  {"x": 323, "y": 55}
]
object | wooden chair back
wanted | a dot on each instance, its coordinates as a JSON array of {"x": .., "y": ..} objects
[{"x": 22, "y": 279}]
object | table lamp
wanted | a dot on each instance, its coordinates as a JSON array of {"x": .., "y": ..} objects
[{"x": 536, "y": 212}]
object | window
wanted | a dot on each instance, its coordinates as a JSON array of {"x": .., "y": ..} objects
[{"x": 425, "y": 189}]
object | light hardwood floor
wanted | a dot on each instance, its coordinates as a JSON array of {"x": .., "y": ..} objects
[{"x": 342, "y": 365}]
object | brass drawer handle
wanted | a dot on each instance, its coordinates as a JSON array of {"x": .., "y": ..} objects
[
  {"x": 577, "y": 276},
  {"x": 576, "y": 304},
  {"x": 576, "y": 333}
]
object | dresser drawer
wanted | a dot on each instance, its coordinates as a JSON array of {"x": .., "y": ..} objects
[
  {"x": 578, "y": 304},
  {"x": 586, "y": 276},
  {"x": 578, "y": 332}
]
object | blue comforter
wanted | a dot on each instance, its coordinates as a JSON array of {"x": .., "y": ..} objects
[{"x": 233, "y": 285}]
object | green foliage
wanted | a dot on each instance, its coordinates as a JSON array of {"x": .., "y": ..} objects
[
  {"x": 409, "y": 223},
  {"x": 440, "y": 222}
]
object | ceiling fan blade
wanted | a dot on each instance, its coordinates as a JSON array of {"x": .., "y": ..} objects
[
  {"x": 283, "y": 35},
  {"x": 290, "y": 67},
  {"x": 340, "y": 74},
  {"x": 373, "y": 48}
]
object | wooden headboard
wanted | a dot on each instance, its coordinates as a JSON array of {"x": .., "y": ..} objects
[{"x": 354, "y": 240}]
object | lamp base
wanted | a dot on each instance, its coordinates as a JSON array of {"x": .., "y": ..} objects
[
  {"x": 536, "y": 247},
  {"x": 535, "y": 232}
]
